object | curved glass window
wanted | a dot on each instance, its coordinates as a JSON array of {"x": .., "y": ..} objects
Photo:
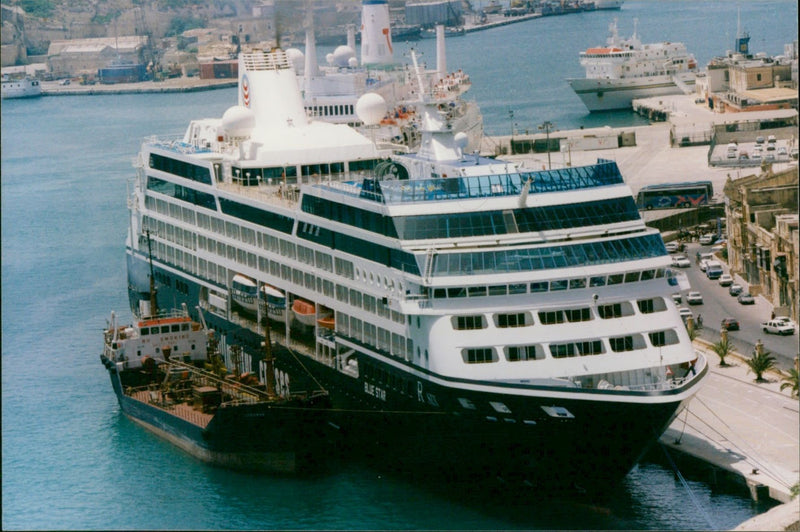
[
  {"x": 548, "y": 257},
  {"x": 190, "y": 195},
  {"x": 201, "y": 174}
]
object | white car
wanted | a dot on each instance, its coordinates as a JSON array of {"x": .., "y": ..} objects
[
  {"x": 703, "y": 265},
  {"x": 681, "y": 261},
  {"x": 694, "y": 298},
  {"x": 777, "y": 327},
  {"x": 725, "y": 280},
  {"x": 785, "y": 319},
  {"x": 707, "y": 239},
  {"x": 685, "y": 313},
  {"x": 672, "y": 247}
]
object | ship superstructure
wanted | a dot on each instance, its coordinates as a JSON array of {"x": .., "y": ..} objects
[
  {"x": 457, "y": 310},
  {"x": 626, "y": 69}
]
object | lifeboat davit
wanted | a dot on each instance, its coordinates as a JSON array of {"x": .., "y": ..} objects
[{"x": 304, "y": 312}]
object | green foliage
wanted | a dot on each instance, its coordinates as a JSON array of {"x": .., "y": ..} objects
[
  {"x": 790, "y": 380},
  {"x": 723, "y": 348},
  {"x": 38, "y": 8},
  {"x": 180, "y": 23},
  {"x": 760, "y": 362}
]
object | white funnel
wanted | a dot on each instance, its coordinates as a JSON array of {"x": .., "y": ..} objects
[{"x": 376, "y": 34}]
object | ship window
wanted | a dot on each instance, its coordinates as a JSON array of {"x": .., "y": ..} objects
[
  {"x": 517, "y": 289},
  {"x": 577, "y": 283},
  {"x": 597, "y": 281},
  {"x": 164, "y": 329},
  {"x": 558, "y": 285},
  {"x": 648, "y": 274},
  {"x": 613, "y": 310},
  {"x": 541, "y": 286},
  {"x": 456, "y": 292},
  {"x": 479, "y": 355},
  {"x": 631, "y": 277},
  {"x": 578, "y": 314},
  {"x": 591, "y": 347},
  {"x": 648, "y": 306},
  {"x": 439, "y": 293},
  {"x": 498, "y": 290},
  {"x": 175, "y": 328},
  {"x": 465, "y": 323},
  {"x": 615, "y": 279},
  {"x": 563, "y": 350},
  {"x": 145, "y": 331},
  {"x": 511, "y": 320},
  {"x": 476, "y": 291},
  {"x": 519, "y": 353},
  {"x": 551, "y": 317},
  {"x": 662, "y": 338}
]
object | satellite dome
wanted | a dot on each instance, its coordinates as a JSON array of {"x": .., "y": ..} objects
[
  {"x": 371, "y": 108},
  {"x": 238, "y": 121},
  {"x": 297, "y": 59},
  {"x": 329, "y": 58},
  {"x": 342, "y": 55},
  {"x": 461, "y": 140},
  {"x": 352, "y": 62}
]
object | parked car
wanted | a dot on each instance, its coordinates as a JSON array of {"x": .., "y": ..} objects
[
  {"x": 694, "y": 298},
  {"x": 703, "y": 265},
  {"x": 759, "y": 140},
  {"x": 777, "y": 327},
  {"x": 707, "y": 239},
  {"x": 681, "y": 261},
  {"x": 725, "y": 280},
  {"x": 786, "y": 319},
  {"x": 672, "y": 247},
  {"x": 729, "y": 324},
  {"x": 735, "y": 289},
  {"x": 782, "y": 150},
  {"x": 746, "y": 299},
  {"x": 677, "y": 298},
  {"x": 685, "y": 313}
]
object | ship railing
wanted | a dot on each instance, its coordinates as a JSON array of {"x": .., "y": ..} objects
[
  {"x": 165, "y": 314},
  {"x": 175, "y": 144}
]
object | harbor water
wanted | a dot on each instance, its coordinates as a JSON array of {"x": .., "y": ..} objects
[{"x": 71, "y": 460}]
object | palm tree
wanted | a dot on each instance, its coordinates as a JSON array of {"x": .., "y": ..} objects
[
  {"x": 760, "y": 362},
  {"x": 790, "y": 380},
  {"x": 723, "y": 348}
]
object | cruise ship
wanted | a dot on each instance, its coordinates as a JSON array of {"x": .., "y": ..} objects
[
  {"x": 626, "y": 69},
  {"x": 460, "y": 314}
]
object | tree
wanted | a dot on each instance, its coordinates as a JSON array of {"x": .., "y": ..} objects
[
  {"x": 790, "y": 380},
  {"x": 760, "y": 362},
  {"x": 723, "y": 348}
]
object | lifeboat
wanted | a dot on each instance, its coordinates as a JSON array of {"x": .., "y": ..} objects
[
  {"x": 304, "y": 311},
  {"x": 243, "y": 292},
  {"x": 273, "y": 303},
  {"x": 327, "y": 321}
]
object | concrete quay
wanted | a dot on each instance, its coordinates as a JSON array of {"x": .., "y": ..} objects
[
  {"x": 747, "y": 430},
  {"x": 182, "y": 84}
]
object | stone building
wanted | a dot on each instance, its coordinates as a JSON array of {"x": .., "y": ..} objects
[
  {"x": 68, "y": 58},
  {"x": 762, "y": 220}
]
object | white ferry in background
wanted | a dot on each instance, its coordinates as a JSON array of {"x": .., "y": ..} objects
[
  {"x": 464, "y": 316},
  {"x": 608, "y": 4},
  {"x": 626, "y": 69},
  {"x": 26, "y": 87}
]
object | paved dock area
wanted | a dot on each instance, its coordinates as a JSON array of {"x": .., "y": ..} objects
[{"x": 750, "y": 430}]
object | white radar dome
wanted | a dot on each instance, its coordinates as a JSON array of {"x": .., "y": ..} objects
[
  {"x": 342, "y": 55},
  {"x": 329, "y": 59},
  {"x": 297, "y": 59},
  {"x": 461, "y": 140},
  {"x": 352, "y": 62},
  {"x": 371, "y": 108},
  {"x": 238, "y": 121}
]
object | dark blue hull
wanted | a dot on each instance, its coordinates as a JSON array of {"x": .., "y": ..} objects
[{"x": 414, "y": 421}]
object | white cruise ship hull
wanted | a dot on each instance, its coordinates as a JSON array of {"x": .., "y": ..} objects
[{"x": 615, "y": 94}]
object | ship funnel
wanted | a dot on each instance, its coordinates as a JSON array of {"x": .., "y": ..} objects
[
  {"x": 351, "y": 36},
  {"x": 376, "y": 34},
  {"x": 441, "y": 56},
  {"x": 268, "y": 87}
]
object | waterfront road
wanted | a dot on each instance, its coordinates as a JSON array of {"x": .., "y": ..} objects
[
  {"x": 749, "y": 429},
  {"x": 719, "y": 304}
]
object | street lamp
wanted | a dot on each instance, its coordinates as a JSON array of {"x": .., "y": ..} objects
[{"x": 546, "y": 127}]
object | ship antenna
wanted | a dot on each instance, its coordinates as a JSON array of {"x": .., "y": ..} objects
[{"x": 153, "y": 298}]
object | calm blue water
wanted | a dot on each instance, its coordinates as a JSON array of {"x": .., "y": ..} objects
[{"x": 70, "y": 460}]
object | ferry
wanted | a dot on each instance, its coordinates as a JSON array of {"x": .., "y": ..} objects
[
  {"x": 626, "y": 69},
  {"x": 26, "y": 87},
  {"x": 468, "y": 316}
]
